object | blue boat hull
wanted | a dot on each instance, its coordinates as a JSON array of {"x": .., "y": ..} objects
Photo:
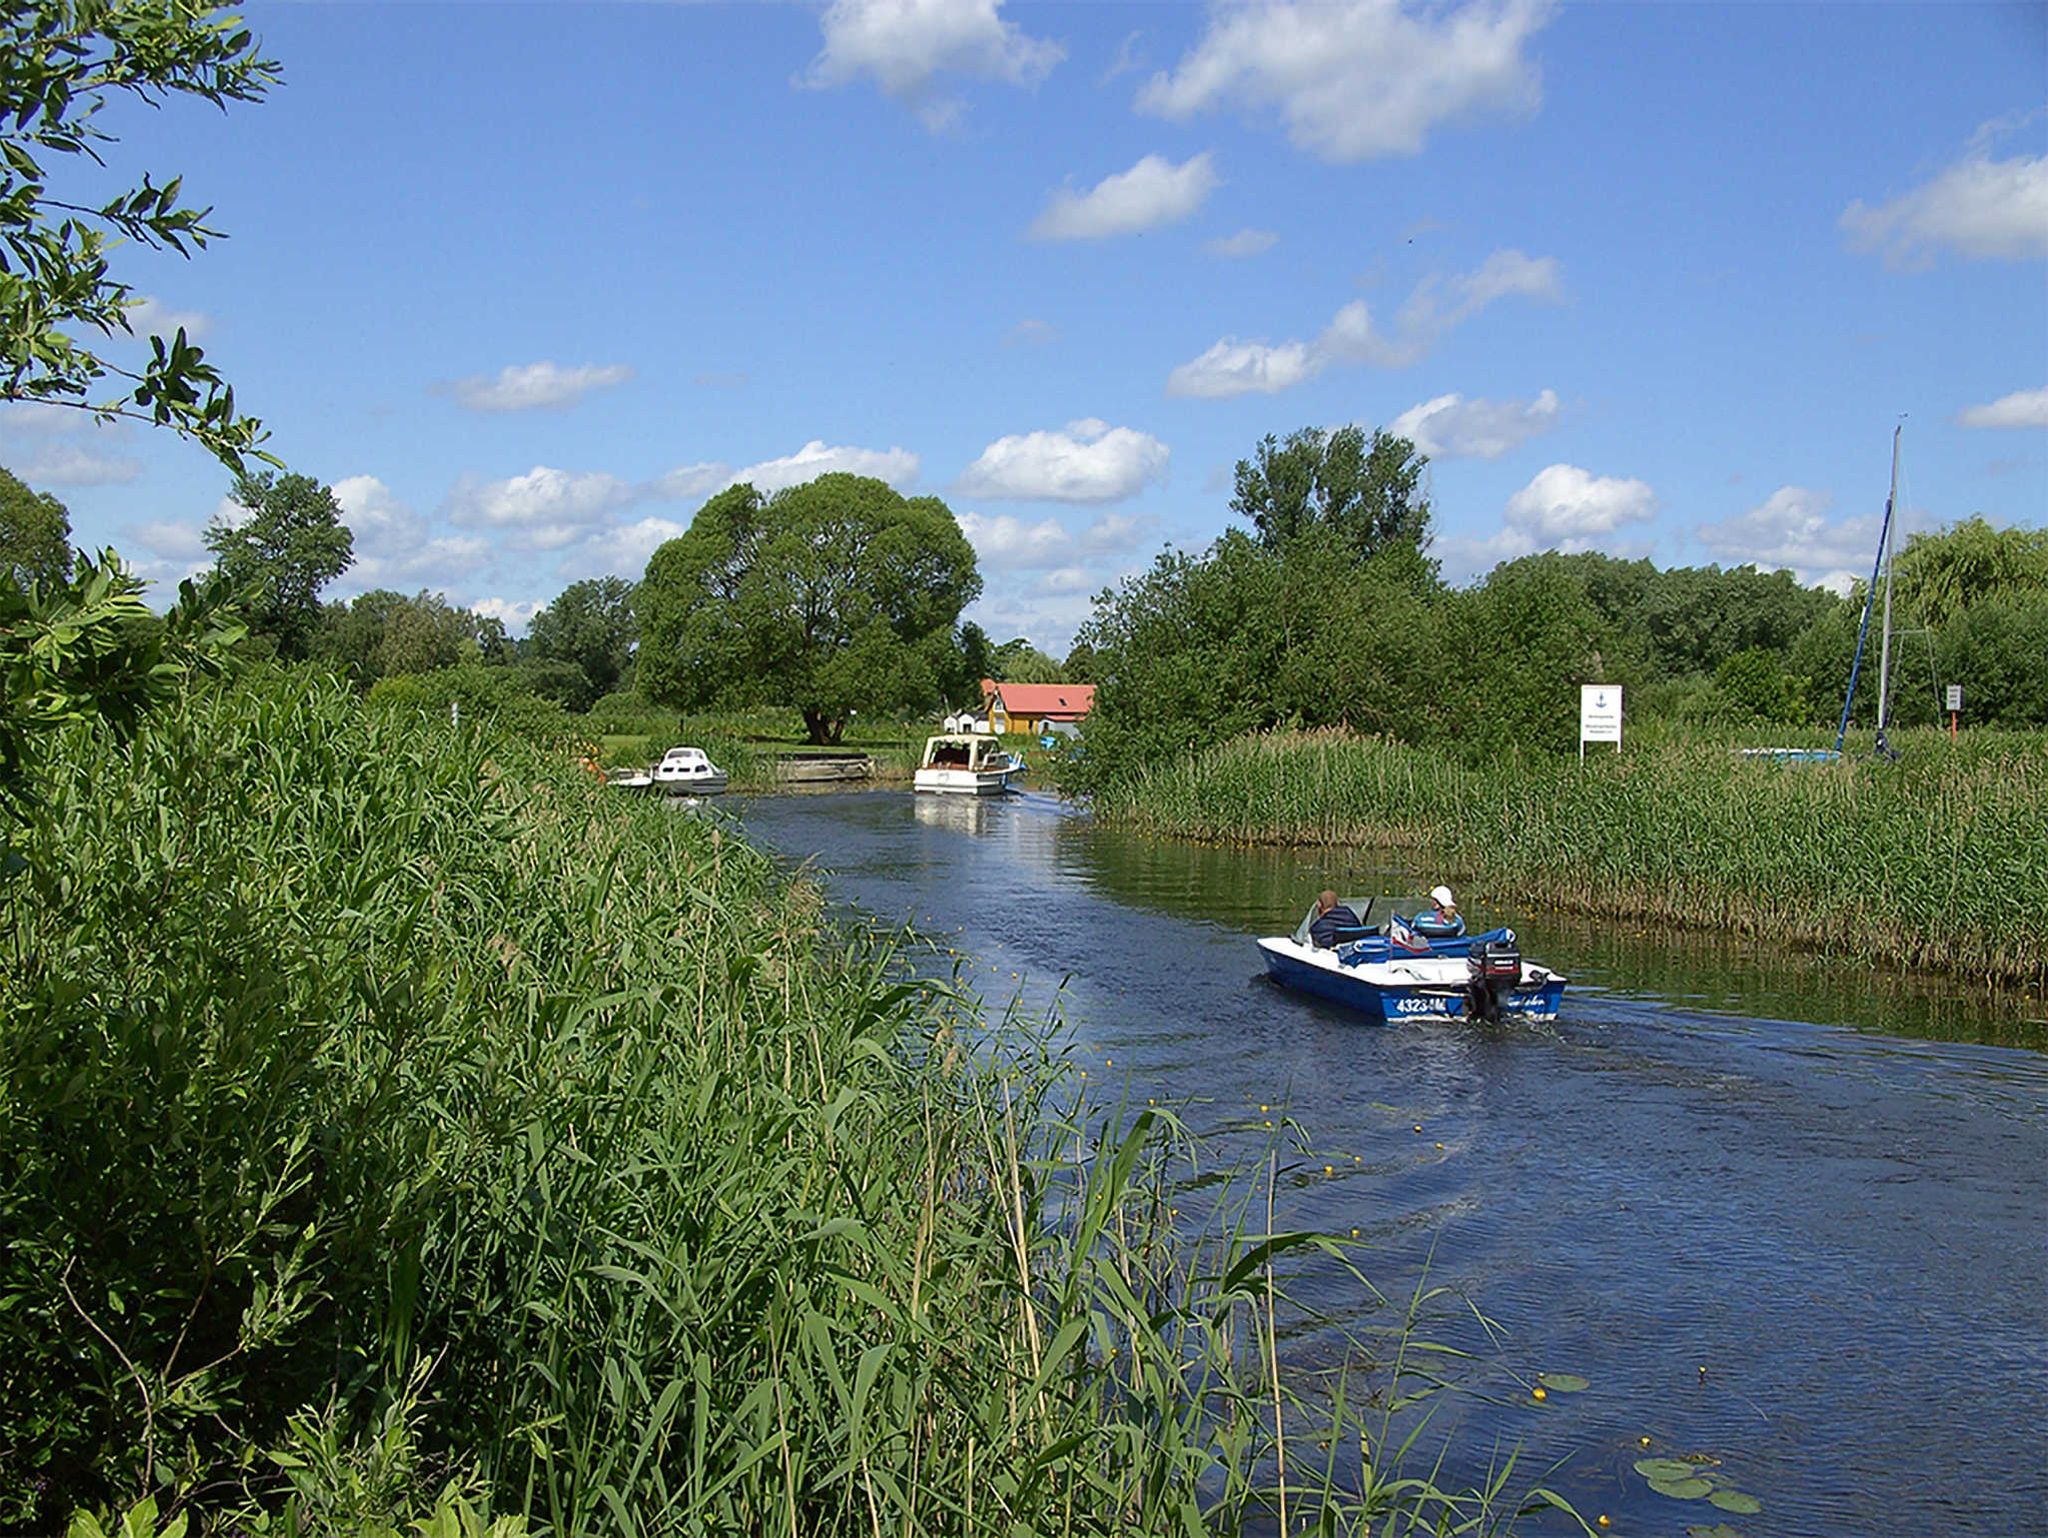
[{"x": 1382, "y": 1003}]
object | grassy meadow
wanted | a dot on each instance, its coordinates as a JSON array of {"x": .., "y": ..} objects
[
  {"x": 1939, "y": 860},
  {"x": 397, "y": 1128}
]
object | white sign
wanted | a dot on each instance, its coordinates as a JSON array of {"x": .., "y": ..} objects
[
  {"x": 1955, "y": 698},
  {"x": 1599, "y": 715}
]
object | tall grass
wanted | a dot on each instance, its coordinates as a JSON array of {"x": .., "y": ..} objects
[
  {"x": 385, "y": 1110},
  {"x": 1940, "y": 860}
]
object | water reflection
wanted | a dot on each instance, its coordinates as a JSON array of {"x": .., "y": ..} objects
[{"x": 1698, "y": 1165}]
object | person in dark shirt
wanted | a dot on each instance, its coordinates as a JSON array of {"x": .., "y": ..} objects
[{"x": 1333, "y": 923}]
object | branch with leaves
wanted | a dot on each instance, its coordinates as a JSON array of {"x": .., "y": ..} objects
[{"x": 61, "y": 62}]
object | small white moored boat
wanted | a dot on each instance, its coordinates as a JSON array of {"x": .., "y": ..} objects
[
  {"x": 688, "y": 772},
  {"x": 628, "y": 779},
  {"x": 966, "y": 764}
]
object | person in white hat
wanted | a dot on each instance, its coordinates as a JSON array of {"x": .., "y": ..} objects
[{"x": 1443, "y": 920}]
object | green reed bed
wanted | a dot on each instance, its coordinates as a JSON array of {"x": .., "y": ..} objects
[
  {"x": 393, "y": 1120},
  {"x": 1939, "y": 860}
]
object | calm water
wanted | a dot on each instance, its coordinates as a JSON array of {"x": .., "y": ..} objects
[{"x": 1825, "y": 1186}]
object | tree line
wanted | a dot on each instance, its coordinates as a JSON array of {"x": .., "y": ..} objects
[
  {"x": 1323, "y": 608},
  {"x": 1328, "y": 611}
]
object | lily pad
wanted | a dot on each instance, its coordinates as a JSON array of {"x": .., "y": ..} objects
[
  {"x": 1682, "y": 1489},
  {"x": 1718, "y": 1530},
  {"x": 1743, "y": 1505},
  {"x": 1663, "y": 1468},
  {"x": 1562, "y": 1382}
]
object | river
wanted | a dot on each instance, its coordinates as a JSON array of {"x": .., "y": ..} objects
[{"x": 1786, "y": 1213}]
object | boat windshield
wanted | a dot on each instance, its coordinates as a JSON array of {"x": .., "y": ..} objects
[
  {"x": 1362, "y": 906},
  {"x": 961, "y": 752}
]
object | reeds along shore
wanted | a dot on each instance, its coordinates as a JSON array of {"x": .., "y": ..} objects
[
  {"x": 1938, "y": 861},
  {"x": 391, "y": 1114}
]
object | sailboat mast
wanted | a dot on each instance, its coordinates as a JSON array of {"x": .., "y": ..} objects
[{"x": 1884, "y": 645}]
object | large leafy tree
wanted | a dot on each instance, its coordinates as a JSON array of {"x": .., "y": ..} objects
[
  {"x": 591, "y": 625},
  {"x": 835, "y": 596},
  {"x": 35, "y": 534},
  {"x": 61, "y": 63},
  {"x": 1019, "y": 662},
  {"x": 383, "y": 634},
  {"x": 290, "y": 544},
  {"x": 1939, "y": 575},
  {"x": 1368, "y": 493}
]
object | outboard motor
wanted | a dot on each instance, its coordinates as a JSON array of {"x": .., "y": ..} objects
[{"x": 1493, "y": 970}]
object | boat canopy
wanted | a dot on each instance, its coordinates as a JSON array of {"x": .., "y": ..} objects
[{"x": 964, "y": 750}]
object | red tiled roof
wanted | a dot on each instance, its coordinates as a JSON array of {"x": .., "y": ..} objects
[{"x": 1054, "y": 701}]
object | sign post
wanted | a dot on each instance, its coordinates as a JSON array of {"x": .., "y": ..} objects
[
  {"x": 1599, "y": 716},
  {"x": 1955, "y": 709}
]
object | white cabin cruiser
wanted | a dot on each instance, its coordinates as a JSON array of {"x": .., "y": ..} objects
[
  {"x": 688, "y": 772},
  {"x": 966, "y": 764}
]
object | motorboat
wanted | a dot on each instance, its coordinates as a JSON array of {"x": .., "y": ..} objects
[
  {"x": 1401, "y": 974},
  {"x": 628, "y": 779},
  {"x": 688, "y": 772},
  {"x": 966, "y": 764}
]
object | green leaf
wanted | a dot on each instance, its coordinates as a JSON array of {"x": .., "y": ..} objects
[
  {"x": 1664, "y": 1468},
  {"x": 1743, "y": 1505},
  {"x": 1682, "y": 1489},
  {"x": 1562, "y": 1382}
]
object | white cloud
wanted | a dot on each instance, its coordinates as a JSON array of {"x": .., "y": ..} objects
[
  {"x": 170, "y": 541},
  {"x": 1435, "y": 307},
  {"x": 1790, "y": 530},
  {"x": 533, "y": 386},
  {"x": 46, "y": 445},
  {"x": 621, "y": 550},
  {"x": 45, "y": 419},
  {"x": 1355, "y": 79},
  {"x": 1978, "y": 207},
  {"x": 1244, "y": 243},
  {"x": 687, "y": 481},
  {"x": 1153, "y": 192},
  {"x": 2022, "y": 408},
  {"x": 543, "y": 509},
  {"x": 394, "y": 547},
  {"x": 1089, "y": 462},
  {"x": 76, "y": 464},
  {"x": 1452, "y": 427},
  {"x": 517, "y": 613},
  {"x": 905, "y": 45},
  {"x": 898, "y": 467},
  {"x": 152, "y": 317},
  {"x": 1566, "y": 508},
  {"x": 1231, "y": 367},
  {"x": 1004, "y": 542},
  {"x": 1030, "y": 333},
  {"x": 1071, "y": 579},
  {"x": 1114, "y": 533}
]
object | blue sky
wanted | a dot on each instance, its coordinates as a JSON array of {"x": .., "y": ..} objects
[{"x": 526, "y": 283}]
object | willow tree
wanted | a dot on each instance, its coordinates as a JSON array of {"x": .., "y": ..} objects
[{"x": 836, "y": 596}]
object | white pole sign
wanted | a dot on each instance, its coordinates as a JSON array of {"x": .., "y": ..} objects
[
  {"x": 1955, "y": 698},
  {"x": 1599, "y": 715}
]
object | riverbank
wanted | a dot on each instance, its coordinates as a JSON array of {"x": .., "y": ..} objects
[
  {"x": 748, "y": 744},
  {"x": 391, "y": 1113},
  {"x": 1938, "y": 861}
]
